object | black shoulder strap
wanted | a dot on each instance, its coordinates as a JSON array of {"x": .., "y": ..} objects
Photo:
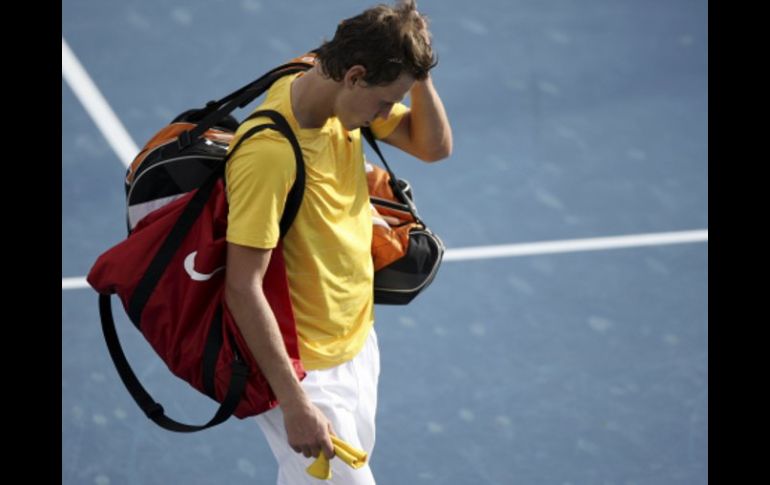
[
  {"x": 397, "y": 190},
  {"x": 294, "y": 199},
  {"x": 155, "y": 271},
  {"x": 152, "y": 408},
  {"x": 237, "y": 99}
]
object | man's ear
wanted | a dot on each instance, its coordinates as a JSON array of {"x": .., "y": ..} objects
[{"x": 355, "y": 76}]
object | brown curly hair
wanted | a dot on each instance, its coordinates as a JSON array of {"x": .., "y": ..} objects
[{"x": 385, "y": 40}]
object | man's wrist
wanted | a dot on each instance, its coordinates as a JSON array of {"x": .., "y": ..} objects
[
  {"x": 422, "y": 88},
  {"x": 293, "y": 398}
]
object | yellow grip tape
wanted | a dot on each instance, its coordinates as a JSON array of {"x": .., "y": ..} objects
[{"x": 352, "y": 456}]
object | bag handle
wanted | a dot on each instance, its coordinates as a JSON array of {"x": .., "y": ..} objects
[
  {"x": 237, "y": 99},
  {"x": 397, "y": 190},
  {"x": 152, "y": 408}
]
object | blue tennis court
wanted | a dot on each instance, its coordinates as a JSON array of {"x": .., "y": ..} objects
[{"x": 545, "y": 352}]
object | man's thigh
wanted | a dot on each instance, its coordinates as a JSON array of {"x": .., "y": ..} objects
[
  {"x": 347, "y": 395},
  {"x": 292, "y": 466}
]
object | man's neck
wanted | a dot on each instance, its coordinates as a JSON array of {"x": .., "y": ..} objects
[{"x": 312, "y": 99}]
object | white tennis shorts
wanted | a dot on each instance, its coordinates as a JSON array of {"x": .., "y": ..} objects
[{"x": 347, "y": 395}]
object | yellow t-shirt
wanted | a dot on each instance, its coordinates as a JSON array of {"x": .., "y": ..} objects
[{"x": 328, "y": 247}]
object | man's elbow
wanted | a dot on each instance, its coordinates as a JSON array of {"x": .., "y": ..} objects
[
  {"x": 437, "y": 153},
  {"x": 234, "y": 295},
  {"x": 239, "y": 290}
]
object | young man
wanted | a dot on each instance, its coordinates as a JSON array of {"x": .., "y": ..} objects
[{"x": 360, "y": 78}]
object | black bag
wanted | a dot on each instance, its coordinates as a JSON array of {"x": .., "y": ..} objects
[{"x": 419, "y": 251}]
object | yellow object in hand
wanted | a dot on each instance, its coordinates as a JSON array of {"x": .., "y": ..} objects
[{"x": 352, "y": 456}]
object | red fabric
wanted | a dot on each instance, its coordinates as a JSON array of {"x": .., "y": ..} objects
[{"x": 178, "y": 315}]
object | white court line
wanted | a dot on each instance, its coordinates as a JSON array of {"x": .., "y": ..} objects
[
  {"x": 74, "y": 283},
  {"x": 96, "y": 106},
  {"x": 574, "y": 245},
  {"x": 536, "y": 248}
]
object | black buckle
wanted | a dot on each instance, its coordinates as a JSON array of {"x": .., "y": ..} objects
[
  {"x": 154, "y": 410},
  {"x": 240, "y": 368},
  {"x": 184, "y": 140}
]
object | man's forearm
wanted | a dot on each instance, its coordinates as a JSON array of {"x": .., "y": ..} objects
[
  {"x": 259, "y": 328},
  {"x": 429, "y": 126}
]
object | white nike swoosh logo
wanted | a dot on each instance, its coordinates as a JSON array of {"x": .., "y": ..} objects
[{"x": 189, "y": 266}]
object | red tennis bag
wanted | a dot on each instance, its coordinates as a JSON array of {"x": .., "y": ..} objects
[
  {"x": 191, "y": 321},
  {"x": 169, "y": 276}
]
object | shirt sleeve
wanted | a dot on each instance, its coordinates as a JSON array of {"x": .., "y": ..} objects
[
  {"x": 259, "y": 177},
  {"x": 383, "y": 128}
]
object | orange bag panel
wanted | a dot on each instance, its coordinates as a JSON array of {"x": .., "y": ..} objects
[
  {"x": 378, "y": 178},
  {"x": 379, "y": 188},
  {"x": 388, "y": 245}
]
